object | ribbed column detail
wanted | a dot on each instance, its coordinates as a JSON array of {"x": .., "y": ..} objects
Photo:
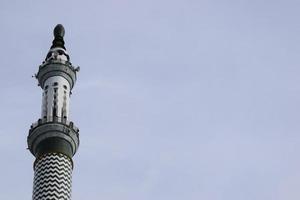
[{"x": 52, "y": 177}]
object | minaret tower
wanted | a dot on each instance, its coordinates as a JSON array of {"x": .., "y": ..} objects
[{"x": 54, "y": 140}]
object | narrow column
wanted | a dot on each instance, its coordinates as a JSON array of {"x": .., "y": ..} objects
[{"x": 53, "y": 139}]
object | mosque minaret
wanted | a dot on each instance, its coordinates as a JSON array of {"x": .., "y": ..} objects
[{"x": 54, "y": 139}]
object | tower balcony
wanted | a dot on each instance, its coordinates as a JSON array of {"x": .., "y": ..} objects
[
  {"x": 53, "y": 136},
  {"x": 56, "y": 67}
]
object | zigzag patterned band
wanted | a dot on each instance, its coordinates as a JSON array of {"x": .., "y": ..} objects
[{"x": 52, "y": 177}]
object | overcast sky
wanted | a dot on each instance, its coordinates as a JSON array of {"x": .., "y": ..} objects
[{"x": 176, "y": 99}]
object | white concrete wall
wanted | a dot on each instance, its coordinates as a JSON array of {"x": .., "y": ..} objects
[{"x": 56, "y": 98}]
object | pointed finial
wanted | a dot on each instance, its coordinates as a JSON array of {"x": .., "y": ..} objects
[{"x": 59, "y": 33}]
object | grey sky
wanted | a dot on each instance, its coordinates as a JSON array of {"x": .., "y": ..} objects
[{"x": 181, "y": 100}]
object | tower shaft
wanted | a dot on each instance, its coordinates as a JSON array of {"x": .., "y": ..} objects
[{"x": 52, "y": 177}]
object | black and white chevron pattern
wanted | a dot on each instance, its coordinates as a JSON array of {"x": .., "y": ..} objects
[{"x": 52, "y": 177}]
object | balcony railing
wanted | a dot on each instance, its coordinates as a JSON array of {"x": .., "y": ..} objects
[{"x": 52, "y": 119}]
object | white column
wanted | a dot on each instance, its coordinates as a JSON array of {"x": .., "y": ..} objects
[{"x": 56, "y": 98}]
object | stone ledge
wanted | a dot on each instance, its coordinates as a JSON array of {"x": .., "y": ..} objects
[
  {"x": 50, "y": 69},
  {"x": 50, "y": 130}
]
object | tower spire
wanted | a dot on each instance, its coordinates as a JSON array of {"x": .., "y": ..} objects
[
  {"x": 53, "y": 139},
  {"x": 59, "y": 33}
]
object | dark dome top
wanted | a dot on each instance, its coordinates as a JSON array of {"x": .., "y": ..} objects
[{"x": 59, "y": 31}]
